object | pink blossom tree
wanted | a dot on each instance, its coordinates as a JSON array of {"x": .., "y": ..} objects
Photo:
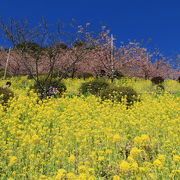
[
  {"x": 136, "y": 61},
  {"x": 40, "y": 50}
]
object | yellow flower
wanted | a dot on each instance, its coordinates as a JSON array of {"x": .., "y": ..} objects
[
  {"x": 91, "y": 170},
  {"x": 137, "y": 139},
  {"x": 145, "y": 138},
  {"x": 82, "y": 168},
  {"x": 148, "y": 165},
  {"x": 135, "y": 152},
  {"x": 176, "y": 158},
  {"x": 12, "y": 160},
  {"x": 101, "y": 158},
  {"x": 142, "y": 140},
  {"x": 134, "y": 166},
  {"x": 158, "y": 163},
  {"x": 116, "y": 177},
  {"x": 82, "y": 176},
  {"x": 108, "y": 151},
  {"x": 61, "y": 174},
  {"x": 130, "y": 159},
  {"x": 72, "y": 158},
  {"x": 92, "y": 177},
  {"x": 116, "y": 138},
  {"x": 93, "y": 154},
  {"x": 34, "y": 134},
  {"x": 162, "y": 158},
  {"x": 124, "y": 166},
  {"x": 43, "y": 177},
  {"x": 152, "y": 176},
  {"x": 142, "y": 169},
  {"x": 71, "y": 176},
  {"x": 35, "y": 139},
  {"x": 31, "y": 156},
  {"x": 87, "y": 163}
]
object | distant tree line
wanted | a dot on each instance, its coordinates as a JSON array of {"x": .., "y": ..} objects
[{"x": 49, "y": 49}]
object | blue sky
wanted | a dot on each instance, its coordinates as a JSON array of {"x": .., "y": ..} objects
[{"x": 127, "y": 19}]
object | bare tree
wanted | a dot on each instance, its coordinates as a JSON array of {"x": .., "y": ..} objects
[
  {"x": 37, "y": 46},
  {"x": 24, "y": 41}
]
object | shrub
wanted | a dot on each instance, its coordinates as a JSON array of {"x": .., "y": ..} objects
[
  {"x": 45, "y": 88},
  {"x": 94, "y": 87},
  {"x": 102, "y": 73},
  {"x": 84, "y": 75},
  {"x": 157, "y": 80},
  {"x": 5, "y": 95},
  {"x": 29, "y": 76},
  {"x": 8, "y": 75},
  {"x": 56, "y": 74},
  {"x": 29, "y": 46},
  {"x": 32, "y": 76},
  {"x": 117, "y": 93},
  {"x": 160, "y": 86},
  {"x": 118, "y": 74},
  {"x": 160, "y": 89}
]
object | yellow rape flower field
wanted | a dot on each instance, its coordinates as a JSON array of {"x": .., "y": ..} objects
[{"x": 78, "y": 137}]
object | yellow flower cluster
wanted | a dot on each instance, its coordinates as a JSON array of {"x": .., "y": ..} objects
[{"x": 82, "y": 138}]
